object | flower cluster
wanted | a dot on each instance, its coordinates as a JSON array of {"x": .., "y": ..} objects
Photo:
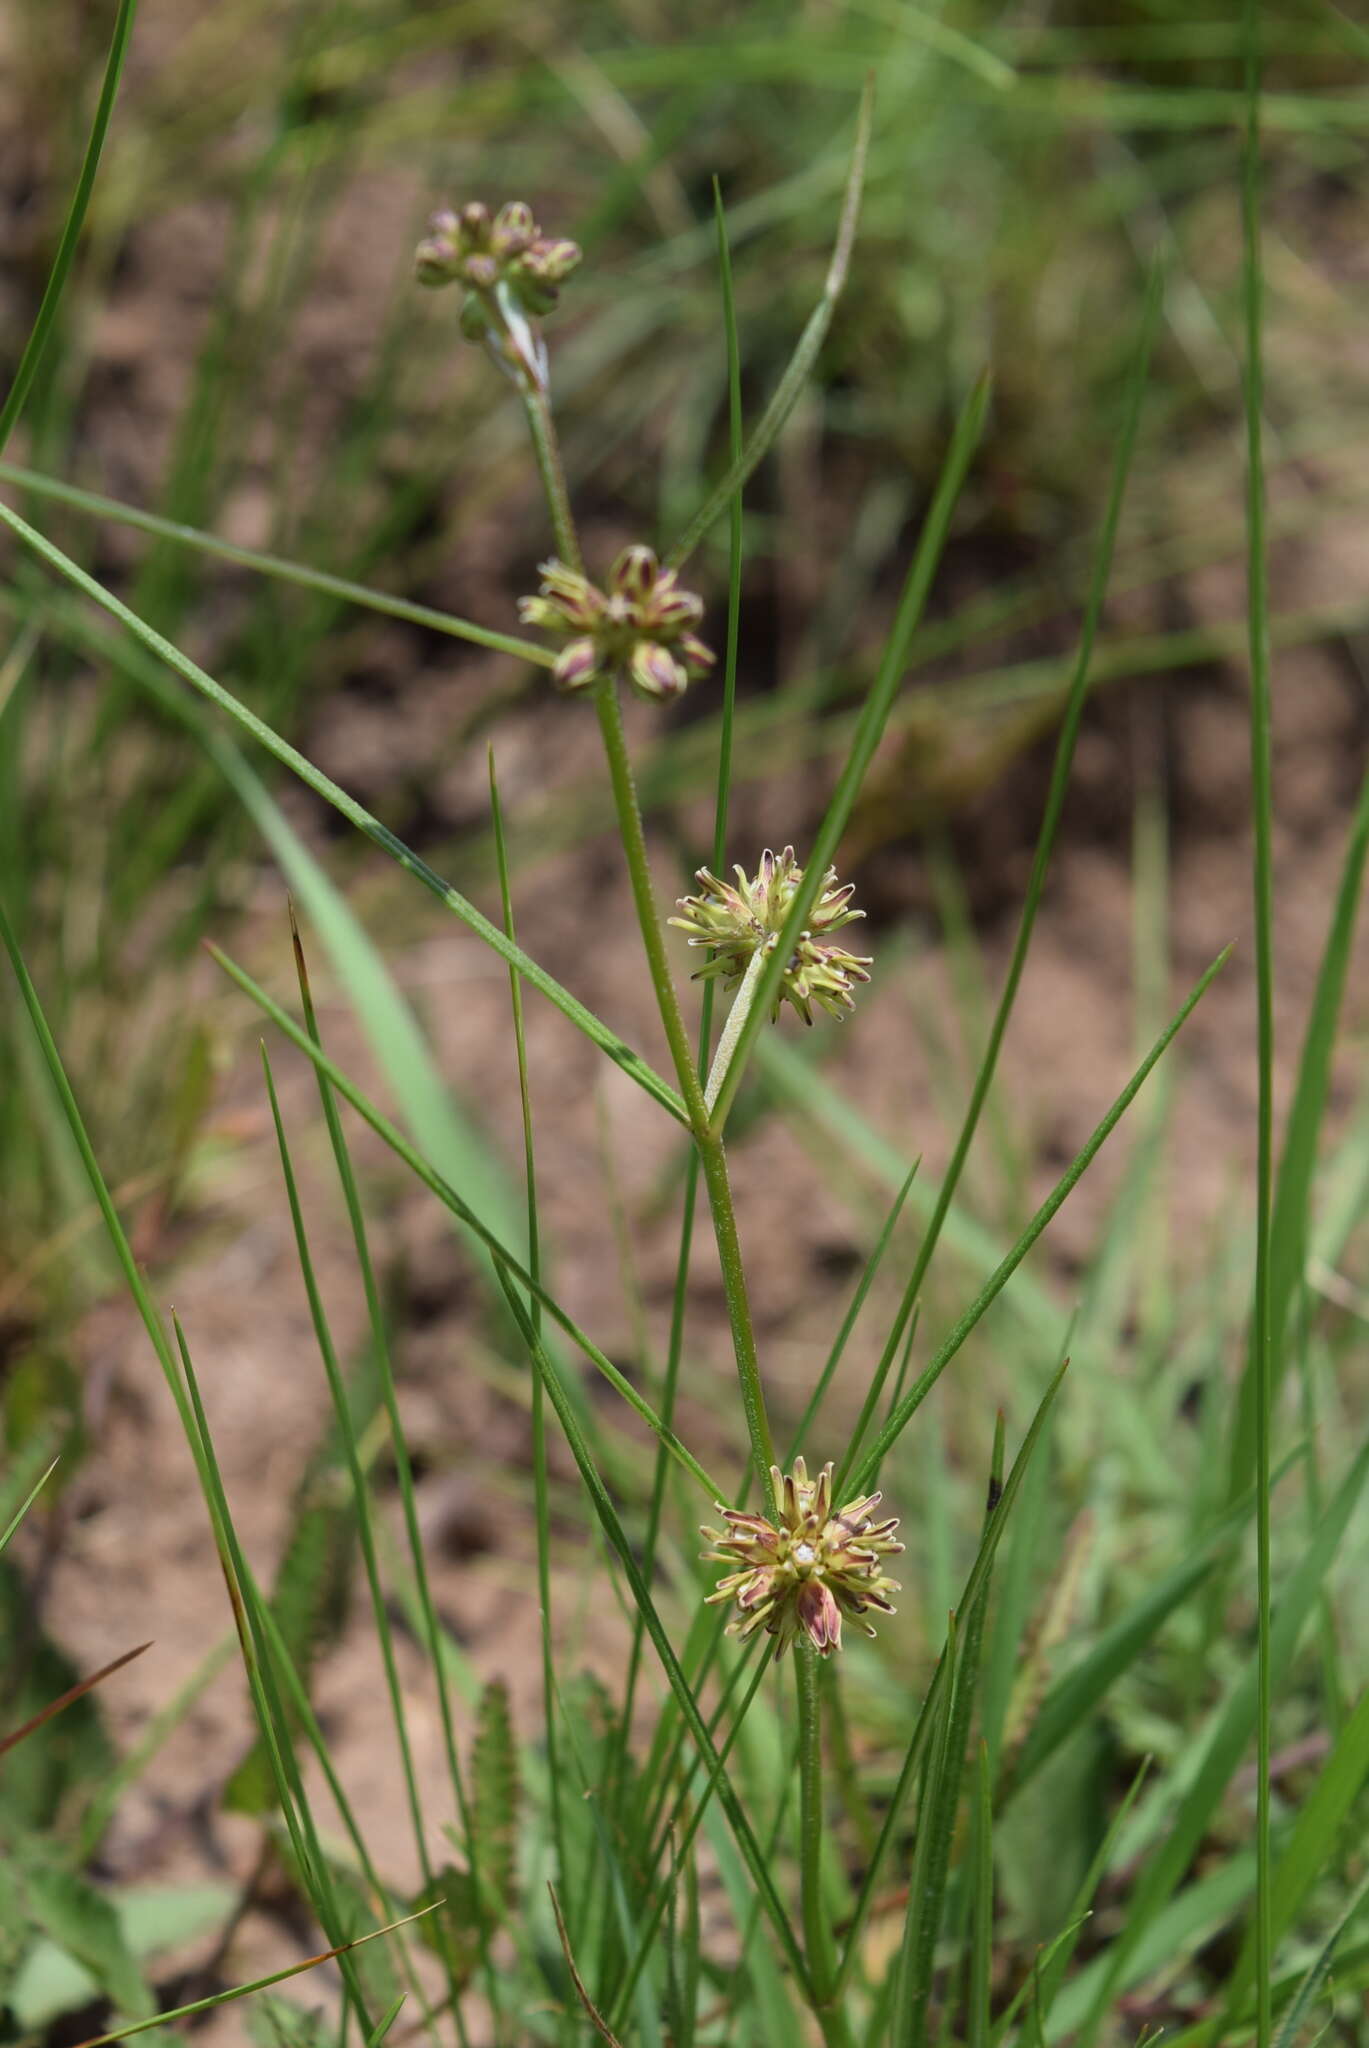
[
  {"x": 512, "y": 273},
  {"x": 482, "y": 253},
  {"x": 640, "y": 628},
  {"x": 809, "y": 1569},
  {"x": 736, "y": 922}
]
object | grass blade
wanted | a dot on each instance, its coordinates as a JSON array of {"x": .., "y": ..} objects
[
  {"x": 25, "y": 1505},
  {"x": 866, "y": 737},
  {"x": 917, "y": 1394},
  {"x": 1228, "y": 1740},
  {"x": 74, "y": 222},
  {"x": 298, "y": 573},
  {"x": 1262, "y": 1340},
  {"x": 505, "y": 1262},
  {"x": 974, "y": 1587},
  {"x": 1046, "y": 837},
  {"x": 356, "y": 814},
  {"x": 728, "y": 489}
]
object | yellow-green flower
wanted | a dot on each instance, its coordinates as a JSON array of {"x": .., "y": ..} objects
[
  {"x": 641, "y": 627},
  {"x": 735, "y": 921},
  {"x": 805, "y": 1572}
]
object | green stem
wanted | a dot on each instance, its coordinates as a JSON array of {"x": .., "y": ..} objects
[
  {"x": 547, "y": 449},
  {"x": 732, "y": 1030},
  {"x": 817, "y": 1934},
  {"x": 712, "y": 1157}
]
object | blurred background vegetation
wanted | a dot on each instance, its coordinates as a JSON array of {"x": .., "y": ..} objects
[{"x": 242, "y": 351}]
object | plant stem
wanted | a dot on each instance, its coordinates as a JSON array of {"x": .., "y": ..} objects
[
  {"x": 547, "y": 449},
  {"x": 732, "y": 1030},
  {"x": 713, "y": 1159},
  {"x": 711, "y": 1154},
  {"x": 817, "y": 1934}
]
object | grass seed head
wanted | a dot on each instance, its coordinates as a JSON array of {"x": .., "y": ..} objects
[
  {"x": 640, "y": 627},
  {"x": 734, "y": 921},
  {"x": 805, "y": 1572}
]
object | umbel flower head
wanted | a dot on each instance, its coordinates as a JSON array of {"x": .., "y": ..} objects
[
  {"x": 809, "y": 1569},
  {"x": 482, "y": 253},
  {"x": 642, "y": 627},
  {"x": 737, "y": 921},
  {"x": 512, "y": 273}
]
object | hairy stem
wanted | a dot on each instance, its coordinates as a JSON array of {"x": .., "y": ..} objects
[{"x": 732, "y": 1030}]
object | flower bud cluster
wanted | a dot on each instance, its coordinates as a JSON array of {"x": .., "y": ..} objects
[
  {"x": 641, "y": 627},
  {"x": 483, "y": 253},
  {"x": 803, "y": 1573},
  {"x": 736, "y": 921}
]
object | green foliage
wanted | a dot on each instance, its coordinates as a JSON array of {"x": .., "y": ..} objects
[
  {"x": 311, "y": 1595},
  {"x": 68, "y": 1755},
  {"x": 951, "y": 1841},
  {"x": 495, "y": 1794}
]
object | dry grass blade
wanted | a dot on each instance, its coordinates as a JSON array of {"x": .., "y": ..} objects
[
  {"x": 596, "y": 2019},
  {"x": 69, "y": 1698}
]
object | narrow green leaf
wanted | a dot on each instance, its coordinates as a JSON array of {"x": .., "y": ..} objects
[
  {"x": 1296, "y": 2016},
  {"x": 1226, "y": 1745},
  {"x": 931, "y": 1857},
  {"x": 913, "y": 1400},
  {"x": 729, "y": 487},
  {"x": 1310, "y": 1849},
  {"x": 298, "y": 573},
  {"x": 25, "y": 1505},
  {"x": 72, "y": 225},
  {"x": 504, "y": 1259},
  {"x": 996, "y": 1522},
  {"x": 977, "y": 1995},
  {"x": 356, "y": 814},
  {"x": 869, "y": 728}
]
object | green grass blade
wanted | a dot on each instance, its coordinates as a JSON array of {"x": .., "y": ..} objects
[
  {"x": 74, "y": 222},
  {"x": 977, "y": 2007},
  {"x": 927, "y": 1877},
  {"x": 1290, "y": 2033},
  {"x": 199, "y": 2005},
  {"x": 974, "y": 1587},
  {"x": 608, "y": 1517},
  {"x": 252, "y": 1619},
  {"x": 505, "y": 1262},
  {"x": 356, "y": 814},
  {"x": 1291, "y": 1219},
  {"x": 1310, "y": 1849},
  {"x": 346, "y": 1424},
  {"x": 26, "y": 1504},
  {"x": 936, "y": 1822},
  {"x": 1076, "y": 1693},
  {"x": 541, "y": 1499},
  {"x": 917, "y": 1394},
  {"x": 1226, "y": 1744},
  {"x": 728, "y": 489},
  {"x": 429, "y": 1629},
  {"x": 1053, "y": 1965},
  {"x": 1046, "y": 837},
  {"x": 849, "y": 1320},
  {"x": 804, "y": 1090},
  {"x": 33, "y": 482},
  {"x": 1262, "y": 1338},
  {"x": 869, "y": 728}
]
